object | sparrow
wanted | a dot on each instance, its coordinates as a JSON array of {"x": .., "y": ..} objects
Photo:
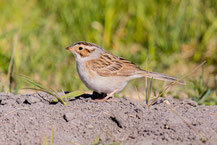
[{"x": 107, "y": 74}]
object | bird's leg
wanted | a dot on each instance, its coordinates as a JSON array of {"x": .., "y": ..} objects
[{"x": 110, "y": 95}]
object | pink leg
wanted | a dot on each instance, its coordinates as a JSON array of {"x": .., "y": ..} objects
[{"x": 111, "y": 95}]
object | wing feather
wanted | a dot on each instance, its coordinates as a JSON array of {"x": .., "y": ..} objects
[{"x": 109, "y": 65}]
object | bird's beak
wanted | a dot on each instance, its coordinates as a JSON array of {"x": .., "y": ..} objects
[{"x": 69, "y": 48}]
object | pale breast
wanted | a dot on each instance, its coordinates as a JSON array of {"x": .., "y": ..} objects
[{"x": 98, "y": 83}]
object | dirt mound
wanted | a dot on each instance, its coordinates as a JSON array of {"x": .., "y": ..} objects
[{"x": 27, "y": 119}]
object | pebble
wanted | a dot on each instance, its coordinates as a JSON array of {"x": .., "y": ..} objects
[{"x": 68, "y": 116}]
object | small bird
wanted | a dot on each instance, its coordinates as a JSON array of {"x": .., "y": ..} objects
[{"x": 105, "y": 73}]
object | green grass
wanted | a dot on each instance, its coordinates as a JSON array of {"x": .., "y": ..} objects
[
  {"x": 201, "y": 93},
  {"x": 174, "y": 35},
  {"x": 59, "y": 98}
]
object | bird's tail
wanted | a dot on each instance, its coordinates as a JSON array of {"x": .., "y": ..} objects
[{"x": 163, "y": 77}]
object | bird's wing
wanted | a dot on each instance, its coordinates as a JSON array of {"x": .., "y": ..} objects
[{"x": 110, "y": 65}]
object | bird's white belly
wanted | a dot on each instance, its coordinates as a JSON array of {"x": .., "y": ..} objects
[{"x": 101, "y": 84}]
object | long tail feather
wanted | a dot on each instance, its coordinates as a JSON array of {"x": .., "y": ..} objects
[{"x": 163, "y": 77}]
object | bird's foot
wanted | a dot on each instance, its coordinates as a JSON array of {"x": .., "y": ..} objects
[{"x": 108, "y": 98}]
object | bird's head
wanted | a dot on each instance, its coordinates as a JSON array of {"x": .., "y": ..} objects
[{"x": 84, "y": 50}]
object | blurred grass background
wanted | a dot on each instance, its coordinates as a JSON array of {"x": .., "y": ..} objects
[{"x": 173, "y": 35}]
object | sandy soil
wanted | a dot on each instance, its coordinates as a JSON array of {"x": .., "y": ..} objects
[{"x": 27, "y": 119}]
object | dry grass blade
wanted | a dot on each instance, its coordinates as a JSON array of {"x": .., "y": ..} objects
[
  {"x": 66, "y": 99},
  {"x": 52, "y": 136},
  {"x": 202, "y": 137},
  {"x": 10, "y": 68},
  {"x": 58, "y": 96},
  {"x": 44, "y": 89},
  {"x": 29, "y": 80},
  {"x": 175, "y": 82},
  {"x": 46, "y": 138},
  {"x": 146, "y": 85},
  {"x": 38, "y": 89},
  {"x": 148, "y": 91}
]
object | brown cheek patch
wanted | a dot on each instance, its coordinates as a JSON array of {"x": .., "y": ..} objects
[{"x": 85, "y": 52}]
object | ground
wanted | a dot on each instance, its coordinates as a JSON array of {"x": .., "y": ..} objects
[{"x": 28, "y": 119}]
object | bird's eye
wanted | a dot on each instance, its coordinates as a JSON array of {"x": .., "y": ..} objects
[{"x": 80, "y": 48}]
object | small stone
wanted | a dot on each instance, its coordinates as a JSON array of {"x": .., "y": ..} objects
[
  {"x": 5, "y": 102},
  {"x": 2, "y": 102},
  {"x": 89, "y": 126},
  {"x": 68, "y": 116},
  {"x": 192, "y": 103}
]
